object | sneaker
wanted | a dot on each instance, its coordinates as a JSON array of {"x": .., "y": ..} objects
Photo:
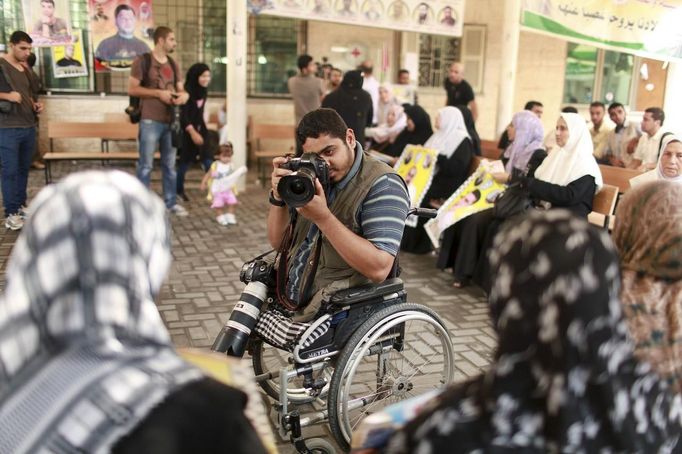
[
  {"x": 178, "y": 210},
  {"x": 231, "y": 219},
  {"x": 23, "y": 213},
  {"x": 222, "y": 219},
  {"x": 14, "y": 222}
]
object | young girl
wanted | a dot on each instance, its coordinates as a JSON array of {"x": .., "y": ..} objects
[{"x": 220, "y": 179}]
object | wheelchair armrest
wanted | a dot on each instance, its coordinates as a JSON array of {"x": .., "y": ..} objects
[{"x": 365, "y": 292}]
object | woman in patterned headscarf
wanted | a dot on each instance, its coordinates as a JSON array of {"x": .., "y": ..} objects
[
  {"x": 564, "y": 377},
  {"x": 648, "y": 234},
  {"x": 86, "y": 364}
]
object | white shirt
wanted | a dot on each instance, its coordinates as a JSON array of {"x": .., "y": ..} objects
[{"x": 648, "y": 147}]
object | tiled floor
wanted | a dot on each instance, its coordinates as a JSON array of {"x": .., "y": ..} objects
[{"x": 203, "y": 284}]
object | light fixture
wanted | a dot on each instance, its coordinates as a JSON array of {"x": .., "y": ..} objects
[
  {"x": 339, "y": 49},
  {"x": 262, "y": 60}
]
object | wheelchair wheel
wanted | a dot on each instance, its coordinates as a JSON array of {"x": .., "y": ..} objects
[
  {"x": 266, "y": 358},
  {"x": 398, "y": 353}
]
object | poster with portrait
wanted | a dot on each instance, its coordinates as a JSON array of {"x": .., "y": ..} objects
[
  {"x": 70, "y": 60},
  {"x": 476, "y": 194},
  {"x": 416, "y": 165},
  {"x": 48, "y": 22},
  {"x": 121, "y": 30},
  {"x": 443, "y": 17}
]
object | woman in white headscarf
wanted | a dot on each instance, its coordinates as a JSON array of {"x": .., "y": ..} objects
[
  {"x": 669, "y": 166},
  {"x": 455, "y": 151},
  {"x": 386, "y": 133},
  {"x": 86, "y": 364},
  {"x": 386, "y": 101}
]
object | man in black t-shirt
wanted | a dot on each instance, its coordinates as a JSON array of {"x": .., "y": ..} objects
[{"x": 458, "y": 90}]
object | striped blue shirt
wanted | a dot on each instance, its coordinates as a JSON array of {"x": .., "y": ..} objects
[{"x": 381, "y": 217}]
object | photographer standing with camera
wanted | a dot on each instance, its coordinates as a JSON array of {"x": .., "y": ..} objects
[
  {"x": 336, "y": 218},
  {"x": 154, "y": 78}
]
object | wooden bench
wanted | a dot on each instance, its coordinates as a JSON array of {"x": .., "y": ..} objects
[
  {"x": 104, "y": 131},
  {"x": 618, "y": 176},
  {"x": 603, "y": 206},
  {"x": 263, "y": 152}
]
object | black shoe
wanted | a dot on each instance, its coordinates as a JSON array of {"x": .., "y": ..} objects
[{"x": 183, "y": 196}]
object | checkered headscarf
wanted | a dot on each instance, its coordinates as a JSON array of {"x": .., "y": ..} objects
[{"x": 84, "y": 355}]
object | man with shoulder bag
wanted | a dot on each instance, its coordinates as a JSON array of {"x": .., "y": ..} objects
[
  {"x": 18, "y": 109},
  {"x": 154, "y": 78}
]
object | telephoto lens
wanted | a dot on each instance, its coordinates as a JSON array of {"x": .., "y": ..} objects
[{"x": 234, "y": 336}]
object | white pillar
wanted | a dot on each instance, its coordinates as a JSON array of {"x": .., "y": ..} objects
[
  {"x": 511, "y": 31},
  {"x": 237, "y": 32},
  {"x": 673, "y": 94}
]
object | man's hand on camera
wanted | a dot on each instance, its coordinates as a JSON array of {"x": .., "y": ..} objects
[
  {"x": 277, "y": 174},
  {"x": 316, "y": 210},
  {"x": 165, "y": 96}
]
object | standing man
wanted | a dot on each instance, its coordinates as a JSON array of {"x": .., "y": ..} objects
[
  {"x": 17, "y": 127},
  {"x": 371, "y": 85},
  {"x": 458, "y": 90},
  {"x": 306, "y": 89},
  {"x": 618, "y": 150},
  {"x": 649, "y": 145},
  {"x": 599, "y": 131},
  {"x": 335, "y": 77},
  {"x": 404, "y": 91},
  {"x": 161, "y": 91}
]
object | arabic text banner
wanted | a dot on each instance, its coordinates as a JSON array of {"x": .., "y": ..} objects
[
  {"x": 440, "y": 17},
  {"x": 650, "y": 28}
]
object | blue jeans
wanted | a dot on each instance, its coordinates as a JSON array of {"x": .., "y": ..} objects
[
  {"x": 16, "y": 151},
  {"x": 155, "y": 134}
]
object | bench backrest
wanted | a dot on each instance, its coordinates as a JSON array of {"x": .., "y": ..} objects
[
  {"x": 604, "y": 201},
  {"x": 273, "y": 137},
  {"x": 489, "y": 150},
  {"x": 116, "y": 117},
  {"x": 618, "y": 176},
  {"x": 99, "y": 130}
]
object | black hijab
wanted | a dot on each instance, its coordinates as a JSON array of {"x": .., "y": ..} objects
[
  {"x": 422, "y": 130},
  {"x": 352, "y": 103},
  {"x": 192, "y": 86},
  {"x": 471, "y": 129}
]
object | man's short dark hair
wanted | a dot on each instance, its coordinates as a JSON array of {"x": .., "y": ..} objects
[
  {"x": 161, "y": 32},
  {"x": 656, "y": 113},
  {"x": 303, "y": 61},
  {"x": 321, "y": 122},
  {"x": 403, "y": 71},
  {"x": 615, "y": 105},
  {"x": 19, "y": 36},
  {"x": 569, "y": 109},
  {"x": 598, "y": 104},
  {"x": 47, "y": 1},
  {"x": 531, "y": 104},
  {"x": 124, "y": 7}
]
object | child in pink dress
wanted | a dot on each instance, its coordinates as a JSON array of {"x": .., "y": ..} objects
[{"x": 220, "y": 180}]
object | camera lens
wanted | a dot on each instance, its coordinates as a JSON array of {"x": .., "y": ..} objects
[{"x": 297, "y": 187}]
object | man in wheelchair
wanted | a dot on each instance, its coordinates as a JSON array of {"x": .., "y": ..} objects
[{"x": 336, "y": 219}]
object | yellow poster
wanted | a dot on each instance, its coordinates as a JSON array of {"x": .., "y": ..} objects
[
  {"x": 70, "y": 60},
  {"x": 476, "y": 194},
  {"x": 645, "y": 27},
  {"x": 416, "y": 165}
]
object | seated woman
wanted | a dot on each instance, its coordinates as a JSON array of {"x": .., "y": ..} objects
[
  {"x": 417, "y": 131},
  {"x": 87, "y": 364},
  {"x": 564, "y": 377},
  {"x": 454, "y": 156},
  {"x": 386, "y": 102},
  {"x": 385, "y": 134},
  {"x": 648, "y": 235},
  {"x": 669, "y": 166},
  {"x": 462, "y": 243},
  {"x": 568, "y": 178}
]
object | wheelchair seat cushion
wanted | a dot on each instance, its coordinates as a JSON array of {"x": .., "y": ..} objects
[
  {"x": 367, "y": 292},
  {"x": 282, "y": 332}
]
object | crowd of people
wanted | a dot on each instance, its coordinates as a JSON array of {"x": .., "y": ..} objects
[{"x": 588, "y": 324}]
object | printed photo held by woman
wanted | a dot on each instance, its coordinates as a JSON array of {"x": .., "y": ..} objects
[
  {"x": 195, "y": 134},
  {"x": 648, "y": 235},
  {"x": 87, "y": 364},
  {"x": 452, "y": 141},
  {"x": 568, "y": 178},
  {"x": 462, "y": 245},
  {"x": 564, "y": 377}
]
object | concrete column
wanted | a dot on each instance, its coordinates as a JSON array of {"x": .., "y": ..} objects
[
  {"x": 673, "y": 94},
  {"x": 237, "y": 33},
  {"x": 511, "y": 31}
]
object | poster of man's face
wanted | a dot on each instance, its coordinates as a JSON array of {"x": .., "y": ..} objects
[
  {"x": 121, "y": 30},
  {"x": 48, "y": 22},
  {"x": 70, "y": 60}
]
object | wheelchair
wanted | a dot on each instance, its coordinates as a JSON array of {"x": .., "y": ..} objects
[{"x": 378, "y": 350}]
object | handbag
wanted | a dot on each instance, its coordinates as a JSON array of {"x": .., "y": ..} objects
[{"x": 514, "y": 200}]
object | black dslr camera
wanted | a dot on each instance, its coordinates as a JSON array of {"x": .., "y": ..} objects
[
  {"x": 298, "y": 188},
  {"x": 258, "y": 270}
]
